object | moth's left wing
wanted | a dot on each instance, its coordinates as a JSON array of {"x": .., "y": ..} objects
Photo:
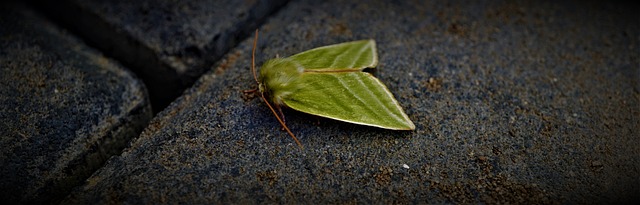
[
  {"x": 354, "y": 55},
  {"x": 355, "y": 97}
]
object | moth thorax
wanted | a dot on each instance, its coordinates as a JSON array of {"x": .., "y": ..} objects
[{"x": 279, "y": 77}]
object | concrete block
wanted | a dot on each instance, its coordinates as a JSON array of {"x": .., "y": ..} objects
[{"x": 64, "y": 108}]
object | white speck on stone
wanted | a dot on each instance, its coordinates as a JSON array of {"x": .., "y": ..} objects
[{"x": 405, "y": 166}]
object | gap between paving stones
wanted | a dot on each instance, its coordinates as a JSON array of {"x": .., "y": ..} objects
[
  {"x": 64, "y": 108},
  {"x": 153, "y": 71},
  {"x": 166, "y": 75}
]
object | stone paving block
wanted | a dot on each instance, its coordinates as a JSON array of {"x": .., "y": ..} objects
[
  {"x": 169, "y": 44},
  {"x": 64, "y": 108},
  {"x": 514, "y": 102}
]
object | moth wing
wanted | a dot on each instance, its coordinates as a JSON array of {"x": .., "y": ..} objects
[
  {"x": 355, "y": 97},
  {"x": 354, "y": 55}
]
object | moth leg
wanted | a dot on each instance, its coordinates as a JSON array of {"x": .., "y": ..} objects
[
  {"x": 250, "y": 91},
  {"x": 249, "y": 94},
  {"x": 280, "y": 113}
]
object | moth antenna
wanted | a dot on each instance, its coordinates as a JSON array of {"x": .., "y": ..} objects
[
  {"x": 253, "y": 57},
  {"x": 255, "y": 76},
  {"x": 281, "y": 122}
]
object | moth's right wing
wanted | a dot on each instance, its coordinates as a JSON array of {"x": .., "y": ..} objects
[{"x": 355, "y": 97}]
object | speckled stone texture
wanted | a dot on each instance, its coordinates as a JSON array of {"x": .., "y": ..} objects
[
  {"x": 169, "y": 44},
  {"x": 514, "y": 102},
  {"x": 64, "y": 109}
]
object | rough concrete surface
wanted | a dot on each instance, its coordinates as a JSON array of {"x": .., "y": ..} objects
[
  {"x": 169, "y": 44},
  {"x": 64, "y": 108},
  {"x": 514, "y": 102}
]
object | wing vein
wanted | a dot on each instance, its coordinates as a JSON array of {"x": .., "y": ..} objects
[
  {"x": 361, "y": 101},
  {"x": 339, "y": 56},
  {"x": 377, "y": 99},
  {"x": 360, "y": 55}
]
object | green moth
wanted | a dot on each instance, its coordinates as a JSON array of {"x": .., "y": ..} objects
[{"x": 329, "y": 81}]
